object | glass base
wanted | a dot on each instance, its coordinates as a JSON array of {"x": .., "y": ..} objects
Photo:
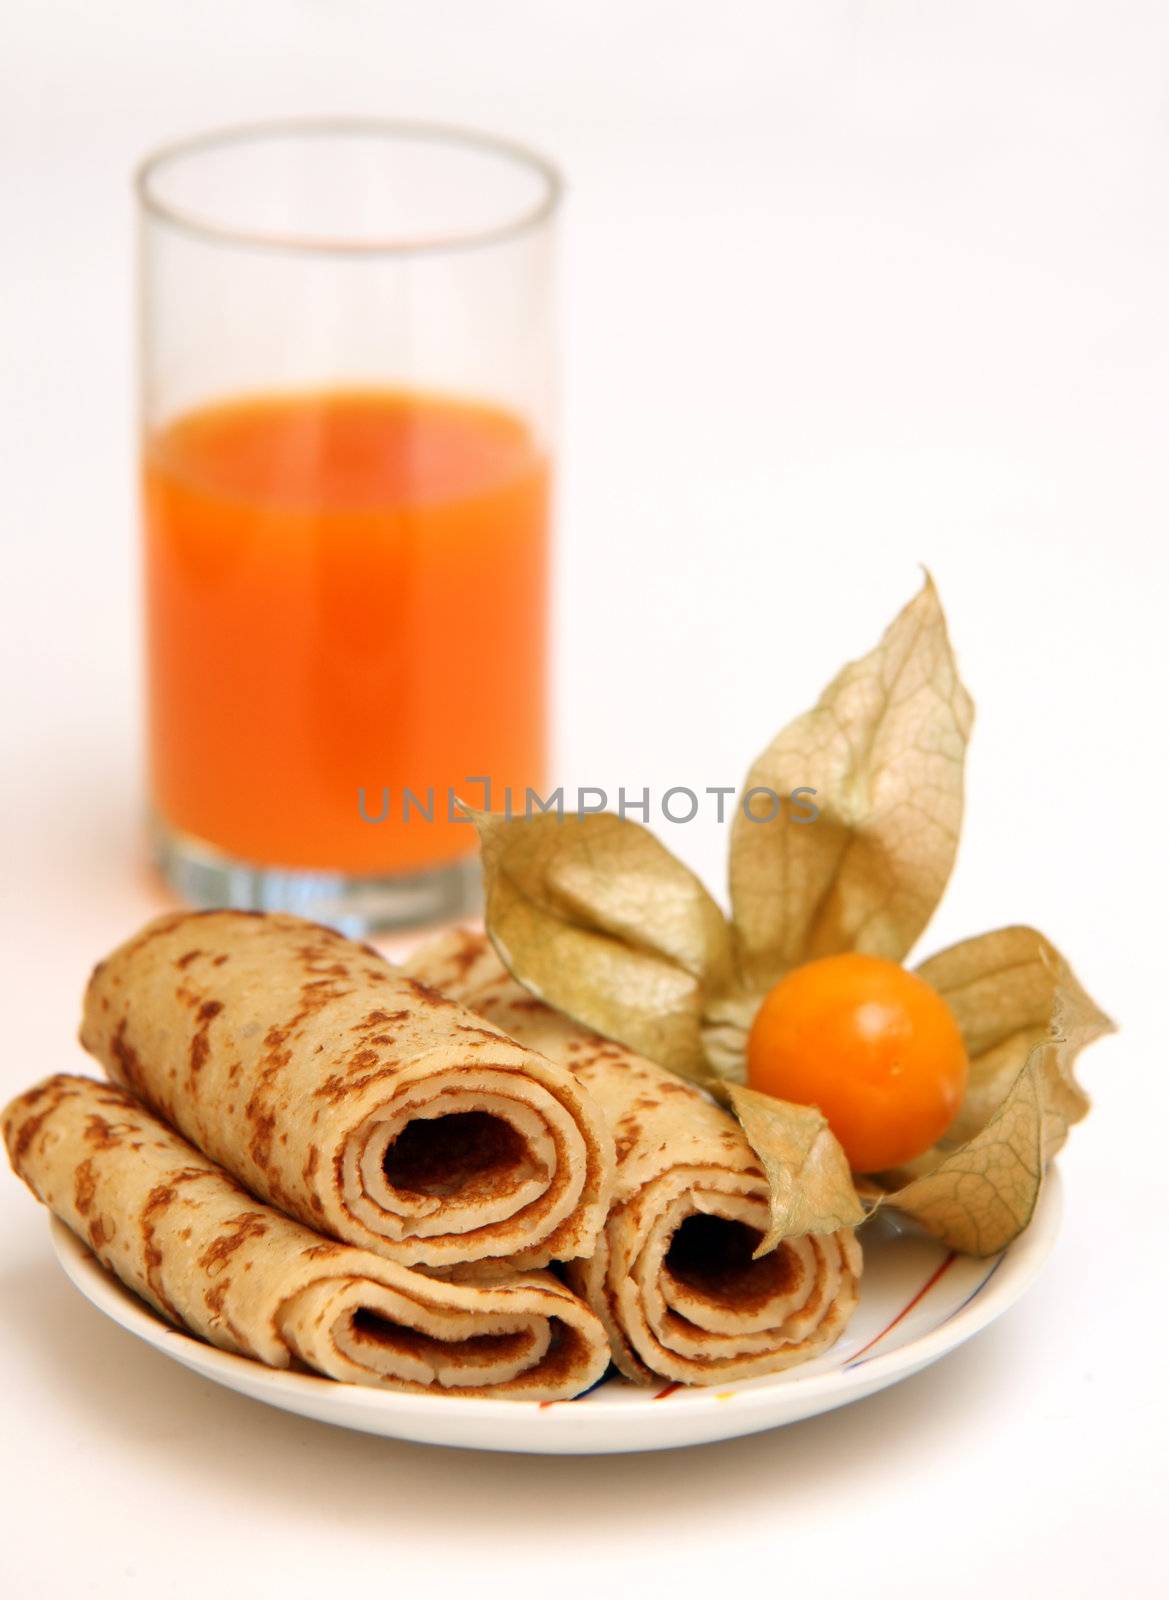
[{"x": 355, "y": 905}]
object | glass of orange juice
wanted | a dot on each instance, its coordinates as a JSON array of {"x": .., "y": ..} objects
[{"x": 346, "y": 369}]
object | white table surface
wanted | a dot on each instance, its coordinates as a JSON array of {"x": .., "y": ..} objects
[{"x": 848, "y": 287}]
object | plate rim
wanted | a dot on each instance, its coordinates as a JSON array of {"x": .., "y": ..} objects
[{"x": 1021, "y": 1263}]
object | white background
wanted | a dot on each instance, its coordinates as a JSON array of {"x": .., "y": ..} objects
[{"x": 848, "y": 287}]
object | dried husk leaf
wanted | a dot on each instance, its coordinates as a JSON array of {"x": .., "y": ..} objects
[
  {"x": 884, "y": 750},
  {"x": 1008, "y": 990},
  {"x": 1077, "y": 1021},
  {"x": 595, "y": 916},
  {"x": 725, "y": 1028},
  {"x": 807, "y": 1171},
  {"x": 982, "y": 1195},
  {"x": 1016, "y": 1001}
]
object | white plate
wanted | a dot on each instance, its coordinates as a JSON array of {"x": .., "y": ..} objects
[{"x": 918, "y": 1302}]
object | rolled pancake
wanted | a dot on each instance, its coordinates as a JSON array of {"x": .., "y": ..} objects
[
  {"x": 672, "y": 1277},
  {"x": 179, "y": 1232},
  {"x": 341, "y": 1090}
]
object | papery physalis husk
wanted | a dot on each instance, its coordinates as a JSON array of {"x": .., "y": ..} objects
[{"x": 597, "y": 918}]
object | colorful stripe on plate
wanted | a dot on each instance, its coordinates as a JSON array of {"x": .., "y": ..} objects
[{"x": 936, "y": 1276}]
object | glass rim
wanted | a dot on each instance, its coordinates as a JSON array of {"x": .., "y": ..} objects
[{"x": 154, "y": 206}]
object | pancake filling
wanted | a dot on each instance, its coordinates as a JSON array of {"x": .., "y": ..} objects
[
  {"x": 712, "y": 1257},
  {"x": 471, "y": 1154}
]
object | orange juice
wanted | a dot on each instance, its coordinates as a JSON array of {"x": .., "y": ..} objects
[{"x": 344, "y": 591}]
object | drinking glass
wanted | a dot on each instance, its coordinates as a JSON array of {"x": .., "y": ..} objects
[{"x": 346, "y": 369}]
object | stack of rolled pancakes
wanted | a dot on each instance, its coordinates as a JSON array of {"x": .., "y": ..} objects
[{"x": 310, "y": 1157}]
